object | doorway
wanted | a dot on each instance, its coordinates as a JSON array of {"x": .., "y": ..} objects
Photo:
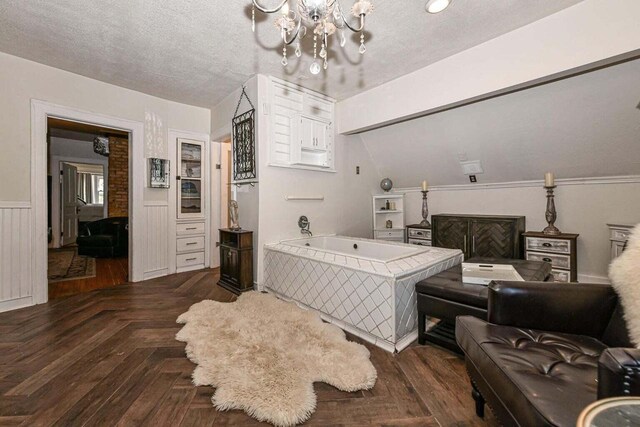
[
  {"x": 88, "y": 212},
  {"x": 226, "y": 188}
]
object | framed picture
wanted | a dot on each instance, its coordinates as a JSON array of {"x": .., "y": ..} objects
[{"x": 159, "y": 173}]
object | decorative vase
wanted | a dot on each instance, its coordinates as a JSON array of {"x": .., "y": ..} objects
[{"x": 386, "y": 184}]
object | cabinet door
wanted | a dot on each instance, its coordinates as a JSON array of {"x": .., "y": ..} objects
[
  {"x": 451, "y": 232},
  {"x": 493, "y": 238},
  {"x": 229, "y": 263},
  {"x": 190, "y": 171},
  {"x": 320, "y": 135},
  {"x": 307, "y": 139}
]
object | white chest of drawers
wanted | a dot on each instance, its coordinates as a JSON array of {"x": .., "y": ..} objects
[
  {"x": 559, "y": 250},
  {"x": 418, "y": 235},
  {"x": 618, "y": 236}
]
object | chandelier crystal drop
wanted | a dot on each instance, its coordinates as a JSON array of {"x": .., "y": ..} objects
[{"x": 322, "y": 17}]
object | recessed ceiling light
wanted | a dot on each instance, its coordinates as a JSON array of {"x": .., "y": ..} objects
[{"x": 437, "y": 6}]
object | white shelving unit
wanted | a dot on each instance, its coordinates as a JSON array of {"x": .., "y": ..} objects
[{"x": 381, "y": 215}]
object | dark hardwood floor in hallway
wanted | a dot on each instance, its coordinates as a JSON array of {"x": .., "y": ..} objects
[
  {"x": 109, "y": 272},
  {"x": 109, "y": 357}
]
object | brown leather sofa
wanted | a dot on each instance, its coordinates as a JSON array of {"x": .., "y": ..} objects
[{"x": 547, "y": 351}]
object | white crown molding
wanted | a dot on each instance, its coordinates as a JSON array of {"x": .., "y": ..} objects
[
  {"x": 8, "y": 204},
  {"x": 626, "y": 179}
]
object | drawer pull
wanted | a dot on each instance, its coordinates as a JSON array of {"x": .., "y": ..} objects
[
  {"x": 191, "y": 259},
  {"x": 547, "y": 259},
  {"x": 547, "y": 244},
  {"x": 192, "y": 243},
  {"x": 192, "y": 228}
]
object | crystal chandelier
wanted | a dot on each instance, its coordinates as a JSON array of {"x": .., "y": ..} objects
[{"x": 323, "y": 17}]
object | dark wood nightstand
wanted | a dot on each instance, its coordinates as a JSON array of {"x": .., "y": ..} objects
[{"x": 236, "y": 260}]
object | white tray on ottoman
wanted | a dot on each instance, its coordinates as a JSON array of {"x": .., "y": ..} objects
[{"x": 483, "y": 274}]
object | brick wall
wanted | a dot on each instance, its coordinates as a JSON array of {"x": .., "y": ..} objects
[{"x": 118, "y": 203}]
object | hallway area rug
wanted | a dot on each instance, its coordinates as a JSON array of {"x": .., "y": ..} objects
[
  {"x": 263, "y": 355},
  {"x": 65, "y": 264}
]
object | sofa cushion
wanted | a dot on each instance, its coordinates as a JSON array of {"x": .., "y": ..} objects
[
  {"x": 96, "y": 240},
  {"x": 542, "y": 378},
  {"x": 454, "y": 290}
]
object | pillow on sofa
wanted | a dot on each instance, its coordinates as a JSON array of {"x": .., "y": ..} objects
[{"x": 624, "y": 273}]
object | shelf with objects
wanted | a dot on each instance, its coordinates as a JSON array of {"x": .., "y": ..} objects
[{"x": 388, "y": 217}]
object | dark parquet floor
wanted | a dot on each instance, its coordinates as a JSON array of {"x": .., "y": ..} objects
[
  {"x": 109, "y": 357},
  {"x": 109, "y": 272}
]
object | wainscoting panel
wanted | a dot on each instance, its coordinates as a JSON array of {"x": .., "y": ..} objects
[
  {"x": 15, "y": 257},
  {"x": 156, "y": 251}
]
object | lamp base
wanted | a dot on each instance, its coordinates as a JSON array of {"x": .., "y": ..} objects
[
  {"x": 551, "y": 230},
  {"x": 425, "y": 223}
]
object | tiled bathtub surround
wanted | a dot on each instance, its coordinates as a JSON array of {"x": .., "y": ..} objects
[{"x": 372, "y": 299}]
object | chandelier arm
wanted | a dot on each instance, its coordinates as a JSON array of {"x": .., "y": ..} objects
[
  {"x": 295, "y": 34},
  {"x": 355, "y": 30},
  {"x": 265, "y": 10}
]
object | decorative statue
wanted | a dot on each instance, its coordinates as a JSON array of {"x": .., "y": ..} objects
[{"x": 233, "y": 215}]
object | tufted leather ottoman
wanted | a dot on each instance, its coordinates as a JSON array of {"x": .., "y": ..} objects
[{"x": 445, "y": 296}]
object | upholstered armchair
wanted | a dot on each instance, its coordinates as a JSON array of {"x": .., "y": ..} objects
[{"x": 108, "y": 237}]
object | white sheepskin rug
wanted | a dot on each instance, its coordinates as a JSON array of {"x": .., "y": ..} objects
[
  {"x": 263, "y": 356},
  {"x": 624, "y": 273}
]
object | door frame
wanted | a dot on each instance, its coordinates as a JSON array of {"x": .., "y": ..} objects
[
  {"x": 55, "y": 165},
  {"x": 40, "y": 112}
]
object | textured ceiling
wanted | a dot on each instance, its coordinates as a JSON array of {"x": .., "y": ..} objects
[
  {"x": 199, "y": 51},
  {"x": 585, "y": 126}
]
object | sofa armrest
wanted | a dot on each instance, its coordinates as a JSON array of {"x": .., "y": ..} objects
[
  {"x": 619, "y": 372},
  {"x": 582, "y": 309}
]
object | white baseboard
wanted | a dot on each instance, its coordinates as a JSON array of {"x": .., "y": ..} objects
[
  {"x": 588, "y": 278},
  {"x": 155, "y": 273},
  {"x": 14, "y": 304}
]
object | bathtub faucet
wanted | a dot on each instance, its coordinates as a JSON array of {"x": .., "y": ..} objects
[{"x": 303, "y": 223}]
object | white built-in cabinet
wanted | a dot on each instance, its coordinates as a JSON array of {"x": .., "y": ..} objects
[
  {"x": 191, "y": 230},
  {"x": 301, "y": 128}
]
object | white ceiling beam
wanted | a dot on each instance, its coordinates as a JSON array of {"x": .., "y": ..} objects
[{"x": 585, "y": 36}]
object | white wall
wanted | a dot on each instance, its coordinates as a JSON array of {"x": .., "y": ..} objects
[
  {"x": 582, "y": 208},
  {"x": 346, "y": 208},
  {"x": 590, "y": 31},
  {"x": 583, "y": 126},
  {"x": 247, "y": 196},
  {"x": 23, "y": 81}
]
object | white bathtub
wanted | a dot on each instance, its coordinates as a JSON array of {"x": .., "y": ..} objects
[
  {"x": 366, "y": 287},
  {"x": 371, "y": 250}
]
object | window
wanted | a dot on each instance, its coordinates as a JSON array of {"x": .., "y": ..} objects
[
  {"x": 97, "y": 189},
  {"x": 91, "y": 188}
]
